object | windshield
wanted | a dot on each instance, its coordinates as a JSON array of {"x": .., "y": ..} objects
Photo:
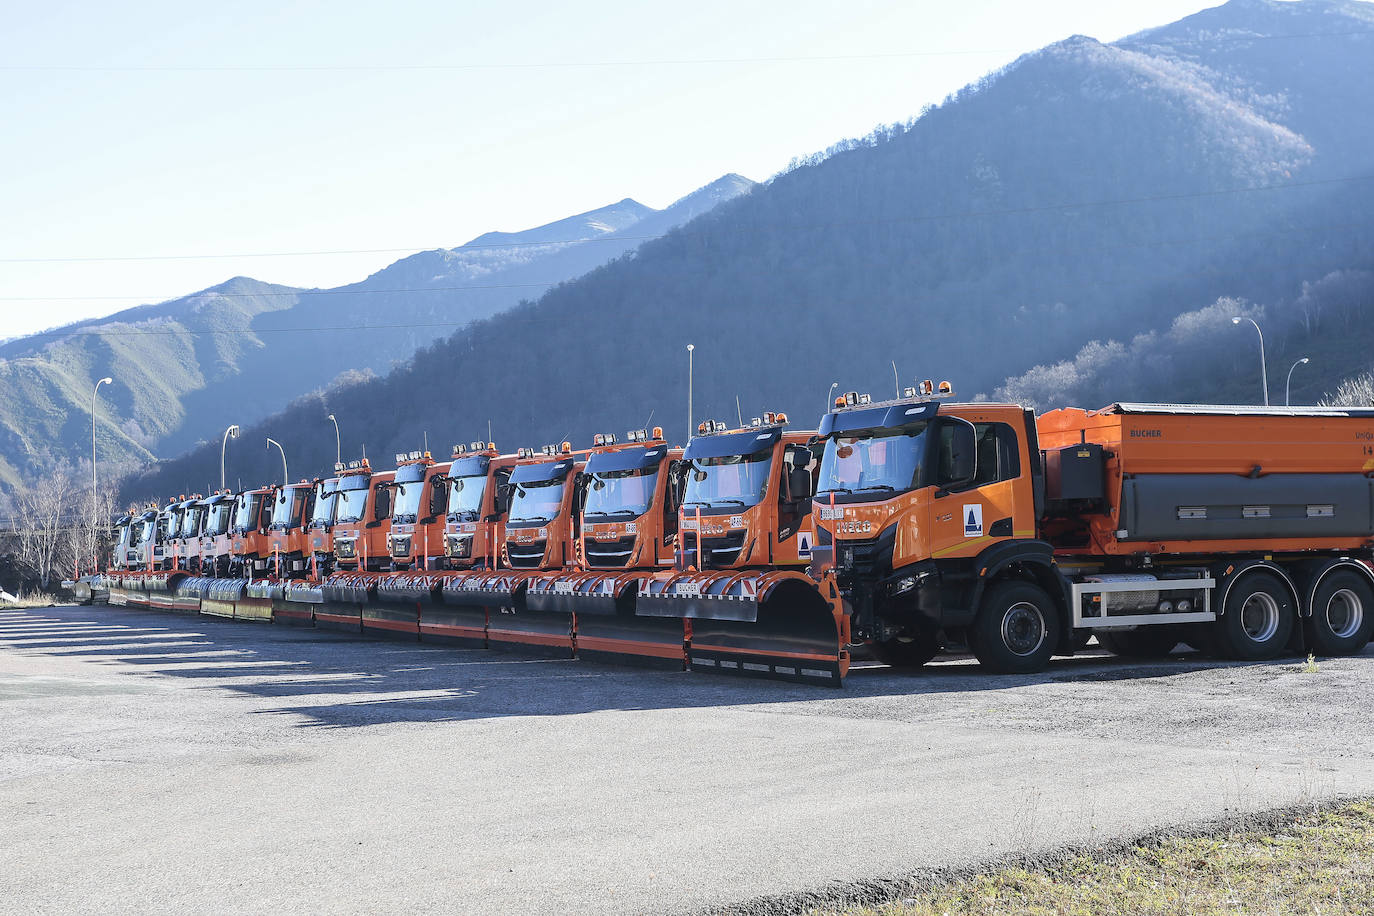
[
  {"x": 876, "y": 463},
  {"x": 286, "y": 508},
  {"x": 246, "y": 515},
  {"x": 352, "y": 500},
  {"x": 537, "y": 500},
  {"x": 218, "y": 523},
  {"x": 465, "y": 497},
  {"x": 731, "y": 480},
  {"x": 146, "y": 529},
  {"x": 623, "y": 493},
  {"x": 410, "y": 486},
  {"x": 323, "y": 513},
  {"x": 190, "y": 524}
]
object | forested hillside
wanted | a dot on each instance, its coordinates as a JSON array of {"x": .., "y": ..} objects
[
  {"x": 238, "y": 351},
  {"x": 1086, "y": 193}
]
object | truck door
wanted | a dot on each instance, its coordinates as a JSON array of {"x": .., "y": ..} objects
[{"x": 978, "y": 467}]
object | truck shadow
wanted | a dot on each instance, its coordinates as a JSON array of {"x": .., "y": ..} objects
[{"x": 323, "y": 679}]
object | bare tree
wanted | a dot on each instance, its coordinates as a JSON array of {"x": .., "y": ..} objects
[
  {"x": 42, "y": 515},
  {"x": 1356, "y": 391},
  {"x": 88, "y": 531}
]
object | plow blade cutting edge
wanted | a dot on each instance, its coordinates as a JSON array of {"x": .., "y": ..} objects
[
  {"x": 296, "y": 604},
  {"x": 459, "y": 614},
  {"x": 774, "y": 624},
  {"x": 601, "y": 607}
]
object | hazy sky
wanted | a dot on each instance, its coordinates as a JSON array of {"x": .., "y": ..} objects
[{"x": 154, "y": 130}]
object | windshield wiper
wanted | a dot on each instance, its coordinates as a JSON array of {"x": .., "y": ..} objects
[
  {"x": 879, "y": 486},
  {"x": 835, "y": 490},
  {"x": 528, "y": 518},
  {"x": 628, "y": 513},
  {"x": 696, "y": 502},
  {"x": 728, "y": 501}
]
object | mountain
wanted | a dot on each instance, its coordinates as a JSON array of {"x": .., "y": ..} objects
[
  {"x": 1104, "y": 208},
  {"x": 233, "y": 353}
]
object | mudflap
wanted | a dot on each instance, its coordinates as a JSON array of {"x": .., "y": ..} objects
[
  {"x": 605, "y": 627},
  {"x": 395, "y": 612},
  {"x": 296, "y": 605},
  {"x": 344, "y": 595},
  {"x": 220, "y": 597},
  {"x": 774, "y": 624}
]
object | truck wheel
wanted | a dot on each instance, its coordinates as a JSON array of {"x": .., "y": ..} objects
[
  {"x": 1342, "y": 614},
  {"x": 906, "y": 651},
  {"x": 1016, "y": 630},
  {"x": 1257, "y": 620},
  {"x": 1142, "y": 642}
]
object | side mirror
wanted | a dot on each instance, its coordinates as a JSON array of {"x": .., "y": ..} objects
[{"x": 958, "y": 453}]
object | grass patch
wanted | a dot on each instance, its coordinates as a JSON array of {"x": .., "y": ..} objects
[
  {"x": 27, "y": 599},
  {"x": 1318, "y": 863}
]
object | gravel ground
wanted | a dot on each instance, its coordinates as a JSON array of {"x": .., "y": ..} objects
[{"x": 152, "y": 762}]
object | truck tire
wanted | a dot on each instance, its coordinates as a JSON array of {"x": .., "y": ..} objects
[
  {"x": 1142, "y": 642},
  {"x": 1016, "y": 630},
  {"x": 1257, "y": 620},
  {"x": 1342, "y": 614},
  {"x": 906, "y": 651}
]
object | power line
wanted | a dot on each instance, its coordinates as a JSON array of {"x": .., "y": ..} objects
[{"x": 643, "y": 62}]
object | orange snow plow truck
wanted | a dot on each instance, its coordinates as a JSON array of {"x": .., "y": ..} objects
[{"x": 1244, "y": 531}]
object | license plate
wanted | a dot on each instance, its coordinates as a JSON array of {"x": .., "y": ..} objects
[
  {"x": 829, "y": 514},
  {"x": 563, "y": 588},
  {"x": 692, "y": 589}
]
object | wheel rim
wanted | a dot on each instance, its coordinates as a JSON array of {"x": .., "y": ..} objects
[
  {"x": 1344, "y": 613},
  {"x": 1259, "y": 617},
  {"x": 1023, "y": 628}
]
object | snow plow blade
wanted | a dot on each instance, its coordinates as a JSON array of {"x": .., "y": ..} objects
[
  {"x": 191, "y": 592},
  {"x": 513, "y": 624},
  {"x": 775, "y": 624},
  {"x": 602, "y": 607},
  {"x": 459, "y": 614},
  {"x": 396, "y": 610},
  {"x": 296, "y": 604},
  {"x": 343, "y": 596},
  {"x": 220, "y": 597},
  {"x": 256, "y": 603}
]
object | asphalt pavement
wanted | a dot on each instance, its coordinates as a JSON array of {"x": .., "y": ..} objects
[{"x": 153, "y": 762}]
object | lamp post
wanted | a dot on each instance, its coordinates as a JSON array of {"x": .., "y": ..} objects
[
  {"x": 1288, "y": 385},
  {"x": 231, "y": 433},
  {"x": 690, "y": 417},
  {"x": 271, "y": 442},
  {"x": 95, "y": 550},
  {"x": 1264, "y": 369},
  {"x": 828, "y": 402},
  {"x": 338, "y": 449}
]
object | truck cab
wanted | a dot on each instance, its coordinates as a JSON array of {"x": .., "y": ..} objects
[
  {"x": 747, "y": 500},
  {"x": 143, "y": 540},
  {"x": 248, "y": 532},
  {"x": 539, "y": 524},
  {"x": 362, "y": 518},
  {"x": 629, "y": 511},
  {"x": 215, "y": 547},
  {"x": 416, "y": 540},
  {"x": 319, "y": 529},
  {"x": 287, "y": 539},
  {"x": 123, "y": 535},
  {"x": 479, "y": 493},
  {"x": 184, "y": 547},
  {"x": 915, "y": 497}
]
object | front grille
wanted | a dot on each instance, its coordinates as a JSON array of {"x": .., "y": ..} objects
[
  {"x": 400, "y": 546},
  {"x": 526, "y": 556},
  {"x": 610, "y": 553},
  {"x": 720, "y": 551},
  {"x": 345, "y": 549},
  {"x": 458, "y": 545}
]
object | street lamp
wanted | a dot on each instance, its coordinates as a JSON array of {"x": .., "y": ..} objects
[
  {"x": 231, "y": 433},
  {"x": 690, "y": 348},
  {"x": 271, "y": 442},
  {"x": 338, "y": 449},
  {"x": 828, "y": 402},
  {"x": 95, "y": 550},
  {"x": 1288, "y": 385},
  {"x": 1264, "y": 369}
]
